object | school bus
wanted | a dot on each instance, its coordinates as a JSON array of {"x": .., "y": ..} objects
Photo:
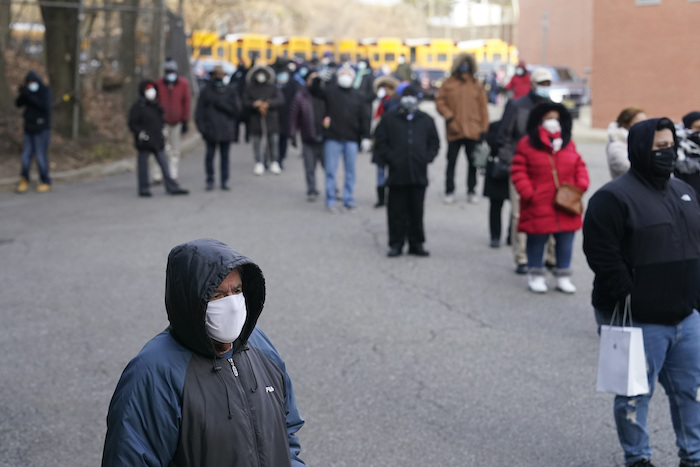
[
  {"x": 347, "y": 49},
  {"x": 321, "y": 46},
  {"x": 248, "y": 48},
  {"x": 291, "y": 47},
  {"x": 431, "y": 53},
  {"x": 203, "y": 43},
  {"x": 384, "y": 51},
  {"x": 490, "y": 50}
]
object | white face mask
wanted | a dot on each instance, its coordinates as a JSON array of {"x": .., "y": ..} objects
[
  {"x": 344, "y": 80},
  {"x": 33, "y": 86},
  {"x": 260, "y": 78},
  {"x": 381, "y": 92},
  {"x": 225, "y": 318},
  {"x": 551, "y": 125},
  {"x": 150, "y": 93}
]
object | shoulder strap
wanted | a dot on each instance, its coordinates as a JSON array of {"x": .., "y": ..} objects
[{"x": 554, "y": 170}]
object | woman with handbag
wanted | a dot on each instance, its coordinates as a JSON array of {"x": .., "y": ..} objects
[{"x": 550, "y": 177}]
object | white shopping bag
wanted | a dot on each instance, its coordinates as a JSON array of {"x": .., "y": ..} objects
[{"x": 622, "y": 367}]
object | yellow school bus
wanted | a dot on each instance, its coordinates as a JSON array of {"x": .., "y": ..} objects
[
  {"x": 347, "y": 49},
  {"x": 431, "y": 53},
  {"x": 384, "y": 51},
  {"x": 203, "y": 43},
  {"x": 249, "y": 47},
  {"x": 321, "y": 45}
]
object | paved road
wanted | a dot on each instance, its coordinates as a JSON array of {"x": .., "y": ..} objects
[{"x": 444, "y": 361}]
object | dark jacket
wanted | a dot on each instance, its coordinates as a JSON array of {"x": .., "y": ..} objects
[
  {"x": 147, "y": 117},
  {"x": 514, "y": 124},
  {"x": 37, "y": 105},
  {"x": 179, "y": 403},
  {"x": 306, "y": 116},
  {"x": 642, "y": 237},
  {"x": 346, "y": 109},
  {"x": 266, "y": 91},
  {"x": 289, "y": 90},
  {"x": 217, "y": 112},
  {"x": 494, "y": 188},
  {"x": 406, "y": 146}
]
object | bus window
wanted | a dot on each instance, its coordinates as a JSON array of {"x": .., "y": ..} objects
[
  {"x": 376, "y": 57},
  {"x": 442, "y": 57},
  {"x": 358, "y": 57},
  {"x": 300, "y": 55},
  {"x": 253, "y": 55},
  {"x": 285, "y": 53},
  {"x": 429, "y": 57},
  {"x": 239, "y": 53},
  {"x": 496, "y": 57},
  {"x": 220, "y": 52},
  {"x": 268, "y": 54},
  {"x": 344, "y": 57},
  {"x": 205, "y": 51},
  {"x": 389, "y": 57}
]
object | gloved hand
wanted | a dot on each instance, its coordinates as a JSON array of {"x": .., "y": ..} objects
[
  {"x": 143, "y": 136},
  {"x": 184, "y": 127},
  {"x": 365, "y": 145},
  {"x": 326, "y": 74},
  {"x": 293, "y": 141}
]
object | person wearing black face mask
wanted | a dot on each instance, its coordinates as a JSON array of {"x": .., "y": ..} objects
[
  {"x": 642, "y": 240},
  {"x": 406, "y": 141},
  {"x": 687, "y": 166}
]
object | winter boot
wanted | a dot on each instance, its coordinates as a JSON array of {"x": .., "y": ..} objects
[
  {"x": 564, "y": 283},
  {"x": 22, "y": 185},
  {"x": 381, "y": 190},
  {"x": 535, "y": 281}
]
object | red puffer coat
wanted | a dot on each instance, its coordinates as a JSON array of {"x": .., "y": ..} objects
[{"x": 531, "y": 173}]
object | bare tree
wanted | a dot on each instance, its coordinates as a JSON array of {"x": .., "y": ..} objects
[
  {"x": 127, "y": 51},
  {"x": 5, "y": 91}
]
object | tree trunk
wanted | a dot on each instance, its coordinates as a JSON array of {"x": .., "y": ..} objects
[
  {"x": 60, "y": 40},
  {"x": 5, "y": 89},
  {"x": 127, "y": 52}
]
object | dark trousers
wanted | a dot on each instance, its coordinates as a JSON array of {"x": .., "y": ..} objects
[
  {"x": 453, "y": 148},
  {"x": 495, "y": 218},
  {"x": 405, "y": 215},
  {"x": 209, "y": 161},
  {"x": 313, "y": 156},
  {"x": 170, "y": 184},
  {"x": 283, "y": 147},
  {"x": 36, "y": 144}
]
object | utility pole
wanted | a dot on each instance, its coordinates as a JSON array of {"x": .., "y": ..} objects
[{"x": 545, "y": 27}]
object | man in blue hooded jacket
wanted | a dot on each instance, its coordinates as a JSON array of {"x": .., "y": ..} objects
[
  {"x": 35, "y": 97},
  {"x": 210, "y": 390},
  {"x": 642, "y": 240}
]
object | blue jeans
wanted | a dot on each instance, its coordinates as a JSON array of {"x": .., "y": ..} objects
[
  {"x": 673, "y": 355},
  {"x": 332, "y": 150},
  {"x": 381, "y": 175},
  {"x": 564, "y": 249},
  {"x": 36, "y": 144}
]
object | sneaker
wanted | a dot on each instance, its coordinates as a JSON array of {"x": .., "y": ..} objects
[
  {"x": 225, "y": 187},
  {"x": 43, "y": 188},
  {"x": 179, "y": 191},
  {"x": 145, "y": 194},
  {"x": 22, "y": 185},
  {"x": 521, "y": 269},
  {"x": 311, "y": 197},
  {"x": 331, "y": 209},
  {"x": 394, "y": 252},
  {"x": 275, "y": 168},
  {"x": 564, "y": 285},
  {"x": 472, "y": 198},
  {"x": 495, "y": 243},
  {"x": 418, "y": 250},
  {"x": 259, "y": 169},
  {"x": 448, "y": 199},
  {"x": 210, "y": 186},
  {"x": 536, "y": 283},
  {"x": 351, "y": 209}
]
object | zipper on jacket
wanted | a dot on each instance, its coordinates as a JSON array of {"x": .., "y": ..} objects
[{"x": 233, "y": 366}]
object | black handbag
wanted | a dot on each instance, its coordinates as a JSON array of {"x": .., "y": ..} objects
[{"x": 497, "y": 169}]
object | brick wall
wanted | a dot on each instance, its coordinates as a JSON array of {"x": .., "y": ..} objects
[
  {"x": 569, "y": 40},
  {"x": 645, "y": 56}
]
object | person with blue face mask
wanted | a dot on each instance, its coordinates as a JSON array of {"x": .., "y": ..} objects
[
  {"x": 35, "y": 97},
  {"x": 462, "y": 101},
  {"x": 406, "y": 141},
  {"x": 212, "y": 375}
]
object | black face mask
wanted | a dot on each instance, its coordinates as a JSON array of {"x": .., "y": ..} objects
[
  {"x": 694, "y": 137},
  {"x": 663, "y": 161}
]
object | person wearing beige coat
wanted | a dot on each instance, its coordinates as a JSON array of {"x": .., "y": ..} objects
[{"x": 462, "y": 101}]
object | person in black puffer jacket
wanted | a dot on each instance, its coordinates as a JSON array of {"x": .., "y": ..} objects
[
  {"x": 641, "y": 236},
  {"x": 36, "y": 99},
  {"x": 406, "y": 141},
  {"x": 146, "y": 123},
  {"x": 217, "y": 111}
]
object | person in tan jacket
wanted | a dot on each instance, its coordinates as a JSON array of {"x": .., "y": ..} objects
[{"x": 462, "y": 101}]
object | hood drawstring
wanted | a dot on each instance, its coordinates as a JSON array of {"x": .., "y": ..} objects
[
  {"x": 216, "y": 368},
  {"x": 245, "y": 351}
]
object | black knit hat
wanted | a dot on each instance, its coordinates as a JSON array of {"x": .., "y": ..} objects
[{"x": 691, "y": 118}]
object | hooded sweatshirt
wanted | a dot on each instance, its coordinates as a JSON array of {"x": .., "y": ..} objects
[
  {"x": 37, "y": 105},
  {"x": 180, "y": 403},
  {"x": 147, "y": 117},
  {"x": 641, "y": 236}
]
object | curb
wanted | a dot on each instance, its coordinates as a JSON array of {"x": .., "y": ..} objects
[{"x": 128, "y": 164}]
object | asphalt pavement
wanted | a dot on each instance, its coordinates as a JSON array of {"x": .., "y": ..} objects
[{"x": 439, "y": 361}]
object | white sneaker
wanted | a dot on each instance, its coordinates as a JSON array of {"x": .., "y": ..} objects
[
  {"x": 564, "y": 285},
  {"x": 259, "y": 169},
  {"x": 448, "y": 199},
  {"x": 472, "y": 198},
  {"x": 536, "y": 283},
  {"x": 275, "y": 168}
]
